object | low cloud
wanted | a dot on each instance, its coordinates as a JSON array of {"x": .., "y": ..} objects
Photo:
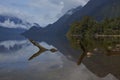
[
  {"x": 10, "y": 24},
  {"x": 43, "y": 12}
]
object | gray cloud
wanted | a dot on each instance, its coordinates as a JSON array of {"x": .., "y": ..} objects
[
  {"x": 41, "y": 11},
  {"x": 54, "y": 8},
  {"x": 68, "y": 4}
]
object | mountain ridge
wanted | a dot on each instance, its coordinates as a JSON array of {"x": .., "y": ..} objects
[
  {"x": 55, "y": 33},
  {"x": 94, "y": 8}
]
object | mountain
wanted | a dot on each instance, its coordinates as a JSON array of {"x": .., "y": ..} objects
[
  {"x": 11, "y": 27},
  {"x": 58, "y": 25},
  {"x": 11, "y": 33},
  {"x": 99, "y": 9},
  {"x": 55, "y": 33},
  {"x": 35, "y": 29}
]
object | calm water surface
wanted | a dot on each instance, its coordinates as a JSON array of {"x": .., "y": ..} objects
[{"x": 14, "y": 64}]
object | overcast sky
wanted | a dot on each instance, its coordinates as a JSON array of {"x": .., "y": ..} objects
[{"x": 40, "y": 11}]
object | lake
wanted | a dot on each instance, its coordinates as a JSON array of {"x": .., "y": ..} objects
[{"x": 14, "y": 64}]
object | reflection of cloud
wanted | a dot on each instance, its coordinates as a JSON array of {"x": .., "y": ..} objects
[
  {"x": 49, "y": 61},
  {"x": 11, "y": 43},
  {"x": 27, "y": 49},
  {"x": 19, "y": 55},
  {"x": 45, "y": 67}
]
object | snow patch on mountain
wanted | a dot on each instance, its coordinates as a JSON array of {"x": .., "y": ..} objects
[
  {"x": 70, "y": 12},
  {"x": 73, "y": 10}
]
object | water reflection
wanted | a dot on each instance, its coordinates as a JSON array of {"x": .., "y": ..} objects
[
  {"x": 103, "y": 55},
  {"x": 98, "y": 48},
  {"x": 41, "y": 49},
  {"x": 10, "y": 46},
  {"x": 47, "y": 66},
  {"x": 92, "y": 54}
]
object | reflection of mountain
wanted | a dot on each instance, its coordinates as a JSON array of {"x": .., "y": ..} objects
[
  {"x": 45, "y": 65},
  {"x": 104, "y": 56},
  {"x": 12, "y": 45},
  {"x": 55, "y": 33},
  {"x": 10, "y": 27},
  {"x": 102, "y": 65},
  {"x": 9, "y": 33}
]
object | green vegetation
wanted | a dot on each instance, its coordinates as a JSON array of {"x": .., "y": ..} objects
[{"x": 93, "y": 34}]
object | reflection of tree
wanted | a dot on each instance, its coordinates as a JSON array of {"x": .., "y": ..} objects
[
  {"x": 107, "y": 46},
  {"x": 83, "y": 54},
  {"x": 100, "y": 39},
  {"x": 89, "y": 34},
  {"x": 41, "y": 49}
]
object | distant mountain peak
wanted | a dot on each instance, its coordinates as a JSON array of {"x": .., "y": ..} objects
[
  {"x": 70, "y": 12},
  {"x": 36, "y": 25}
]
